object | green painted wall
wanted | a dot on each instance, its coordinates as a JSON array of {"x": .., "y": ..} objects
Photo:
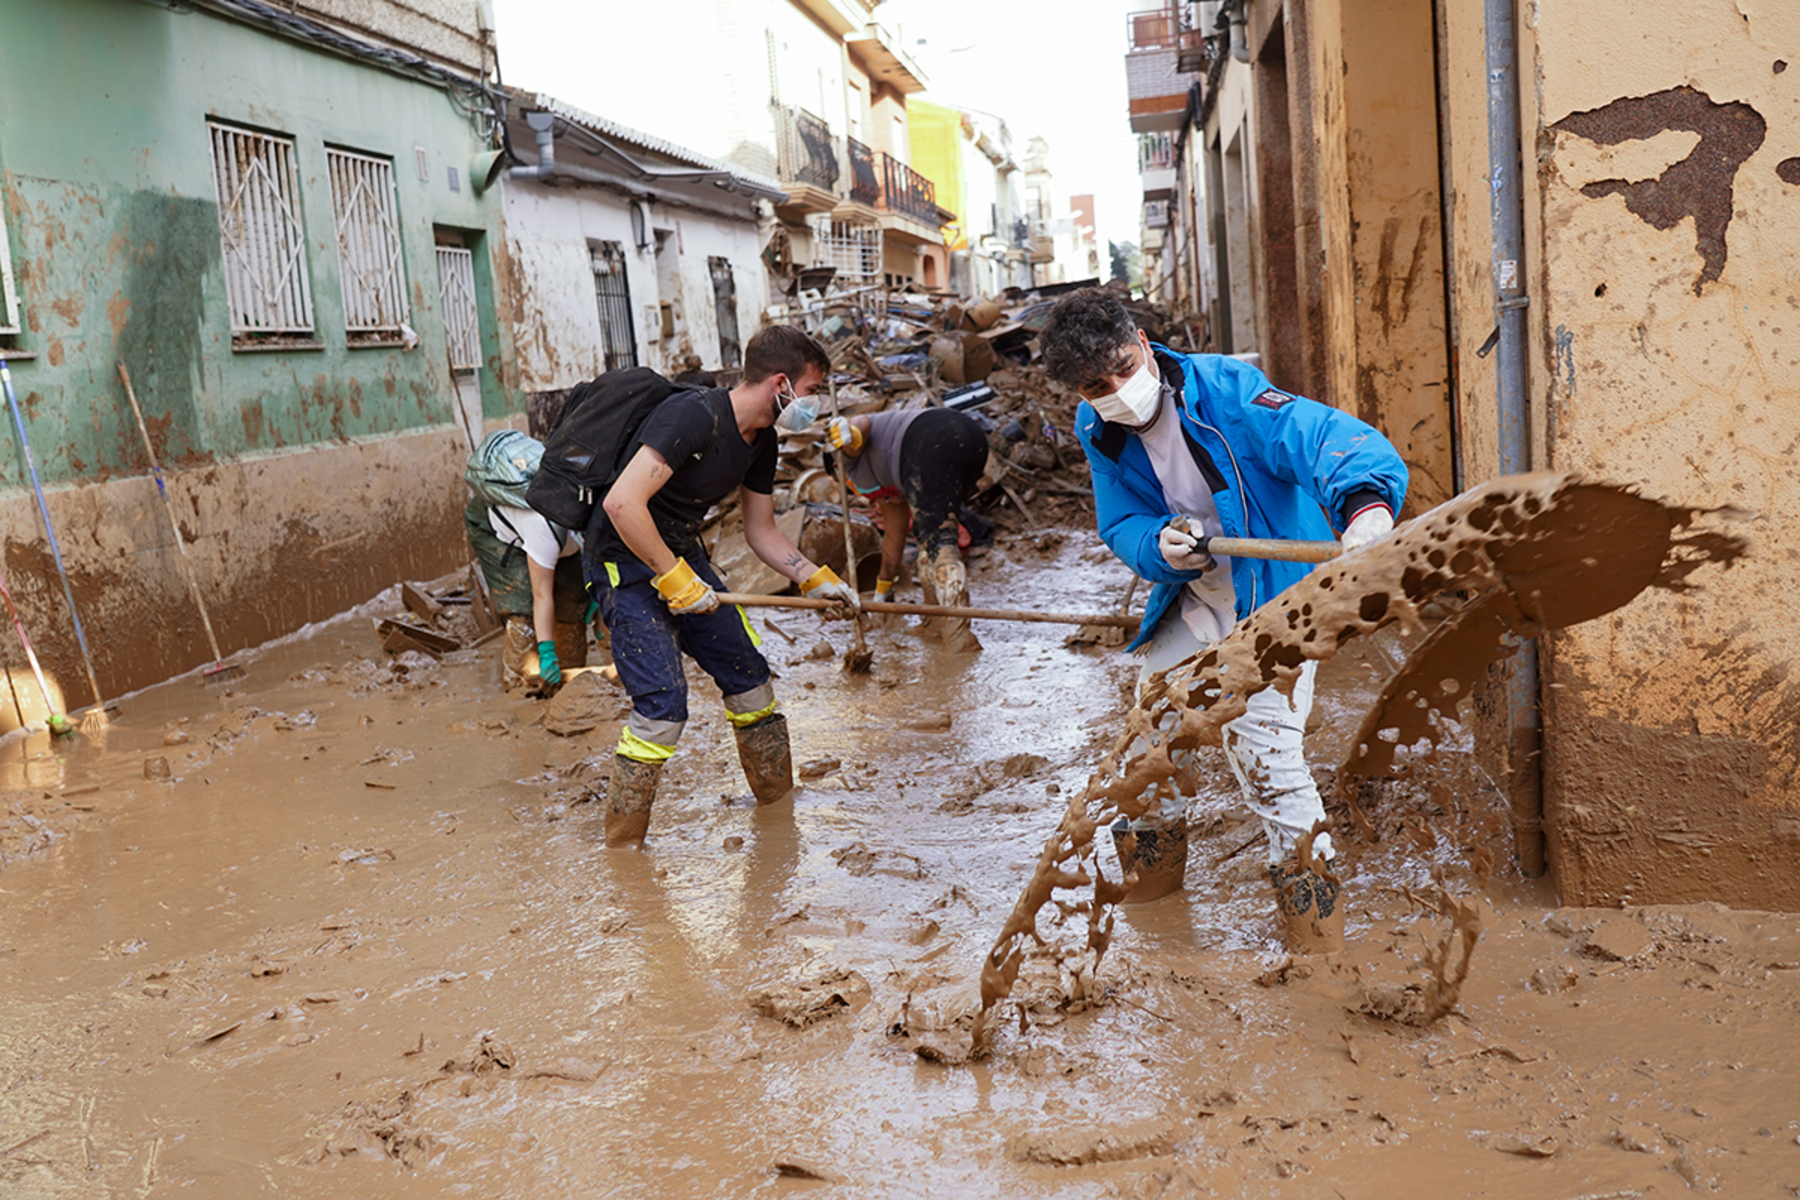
[{"x": 106, "y": 179}]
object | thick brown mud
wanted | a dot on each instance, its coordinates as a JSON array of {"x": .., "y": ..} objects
[
  {"x": 365, "y": 941},
  {"x": 1511, "y": 559}
]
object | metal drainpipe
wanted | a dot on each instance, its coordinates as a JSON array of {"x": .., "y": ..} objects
[
  {"x": 542, "y": 126},
  {"x": 1240, "y": 47},
  {"x": 1506, "y": 190}
]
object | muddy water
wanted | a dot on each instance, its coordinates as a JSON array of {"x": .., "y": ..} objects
[{"x": 268, "y": 977}]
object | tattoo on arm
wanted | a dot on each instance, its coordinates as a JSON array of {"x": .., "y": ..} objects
[{"x": 793, "y": 563}]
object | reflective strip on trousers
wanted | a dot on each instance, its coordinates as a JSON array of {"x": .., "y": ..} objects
[
  {"x": 747, "y": 708},
  {"x": 647, "y": 740}
]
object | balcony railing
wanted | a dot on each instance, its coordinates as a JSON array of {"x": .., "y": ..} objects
[
  {"x": 1156, "y": 152},
  {"x": 805, "y": 149},
  {"x": 904, "y": 190},
  {"x": 865, "y": 179},
  {"x": 1161, "y": 29}
]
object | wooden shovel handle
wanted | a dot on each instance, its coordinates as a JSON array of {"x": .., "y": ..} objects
[
  {"x": 1278, "y": 549},
  {"x": 935, "y": 610}
]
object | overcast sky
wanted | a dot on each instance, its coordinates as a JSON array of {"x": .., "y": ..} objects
[{"x": 1053, "y": 71}]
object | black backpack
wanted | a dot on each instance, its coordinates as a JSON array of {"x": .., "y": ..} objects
[{"x": 584, "y": 452}]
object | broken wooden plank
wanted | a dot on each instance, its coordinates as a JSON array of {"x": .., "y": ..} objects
[
  {"x": 419, "y": 603},
  {"x": 397, "y": 636}
]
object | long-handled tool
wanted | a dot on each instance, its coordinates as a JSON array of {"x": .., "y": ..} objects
[
  {"x": 58, "y": 723},
  {"x": 100, "y": 710},
  {"x": 933, "y": 610},
  {"x": 220, "y": 671},
  {"x": 858, "y": 659},
  {"x": 1268, "y": 548}
]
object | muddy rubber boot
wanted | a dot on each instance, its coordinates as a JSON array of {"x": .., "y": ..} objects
[
  {"x": 628, "y": 800},
  {"x": 951, "y": 578},
  {"x": 1159, "y": 856},
  {"x": 768, "y": 762},
  {"x": 1306, "y": 903}
]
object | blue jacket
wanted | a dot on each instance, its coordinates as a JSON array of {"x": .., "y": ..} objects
[{"x": 1280, "y": 466}]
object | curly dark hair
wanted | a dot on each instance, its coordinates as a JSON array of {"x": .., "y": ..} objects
[
  {"x": 1087, "y": 338},
  {"x": 783, "y": 350}
]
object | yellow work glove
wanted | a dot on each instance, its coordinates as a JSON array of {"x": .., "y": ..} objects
[
  {"x": 824, "y": 584},
  {"x": 844, "y": 435},
  {"x": 685, "y": 592},
  {"x": 884, "y": 588}
]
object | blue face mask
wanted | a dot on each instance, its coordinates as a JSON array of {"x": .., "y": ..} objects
[{"x": 797, "y": 412}]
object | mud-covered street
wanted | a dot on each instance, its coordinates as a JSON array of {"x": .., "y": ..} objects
[{"x": 367, "y": 941}]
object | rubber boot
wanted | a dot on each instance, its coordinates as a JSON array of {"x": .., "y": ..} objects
[
  {"x": 628, "y": 800},
  {"x": 951, "y": 578},
  {"x": 767, "y": 759},
  {"x": 1158, "y": 855},
  {"x": 1306, "y": 903}
]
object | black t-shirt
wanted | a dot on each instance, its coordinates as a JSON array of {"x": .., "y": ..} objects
[{"x": 697, "y": 435}]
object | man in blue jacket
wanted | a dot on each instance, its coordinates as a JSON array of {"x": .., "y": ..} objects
[{"x": 1182, "y": 446}]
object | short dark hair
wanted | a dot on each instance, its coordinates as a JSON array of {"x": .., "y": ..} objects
[
  {"x": 1086, "y": 337},
  {"x": 783, "y": 350}
]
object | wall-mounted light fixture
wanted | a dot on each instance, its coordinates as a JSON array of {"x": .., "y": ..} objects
[{"x": 640, "y": 234}]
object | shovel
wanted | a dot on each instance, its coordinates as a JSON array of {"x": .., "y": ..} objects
[{"x": 858, "y": 658}]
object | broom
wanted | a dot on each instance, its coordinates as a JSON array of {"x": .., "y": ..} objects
[
  {"x": 220, "y": 671},
  {"x": 58, "y": 723}
]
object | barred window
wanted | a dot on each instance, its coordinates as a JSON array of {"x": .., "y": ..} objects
[
  {"x": 259, "y": 230},
  {"x": 366, "y": 215},
  {"x": 456, "y": 290}
]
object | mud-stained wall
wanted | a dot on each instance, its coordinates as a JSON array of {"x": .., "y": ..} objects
[
  {"x": 1669, "y": 162},
  {"x": 1397, "y": 247},
  {"x": 550, "y": 281},
  {"x": 111, "y": 211}
]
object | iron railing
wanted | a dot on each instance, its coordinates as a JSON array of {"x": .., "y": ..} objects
[
  {"x": 258, "y": 189},
  {"x": 1156, "y": 152},
  {"x": 865, "y": 180},
  {"x": 805, "y": 150},
  {"x": 906, "y": 191},
  {"x": 1021, "y": 234},
  {"x": 456, "y": 296},
  {"x": 365, "y": 212},
  {"x": 612, "y": 293}
]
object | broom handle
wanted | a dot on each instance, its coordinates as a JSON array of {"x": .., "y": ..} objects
[
  {"x": 30, "y": 654},
  {"x": 87, "y": 656},
  {"x": 187, "y": 570},
  {"x": 933, "y": 610}
]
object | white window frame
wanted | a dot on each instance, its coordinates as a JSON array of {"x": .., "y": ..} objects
[
  {"x": 9, "y": 292},
  {"x": 365, "y": 212},
  {"x": 462, "y": 317},
  {"x": 257, "y": 183}
]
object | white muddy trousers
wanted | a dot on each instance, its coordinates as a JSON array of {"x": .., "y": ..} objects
[{"x": 1264, "y": 746}]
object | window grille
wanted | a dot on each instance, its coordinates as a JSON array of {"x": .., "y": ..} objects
[
  {"x": 725, "y": 308},
  {"x": 9, "y": 292},
  {"x": 855, "y": 250},
  {"x": 456, "y": 290},
  {"x": 612, "y": 292},
  {"x": 259, "y": 229},
  {"x": 366, "y": 213}
]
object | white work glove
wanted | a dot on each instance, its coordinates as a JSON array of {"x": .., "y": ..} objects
[
  {"x": 1371, "y": 524},
  {"x": 843, "y": 435},
  {"x": 824, "y": 584},
  {"x": 1179, "y": 548}
]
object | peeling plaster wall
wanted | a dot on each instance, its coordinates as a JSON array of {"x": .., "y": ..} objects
[
  {"x": 551, "y": 284},
  {"x": 1669, "y": 313},
  {"x": 106, "y": 180}
]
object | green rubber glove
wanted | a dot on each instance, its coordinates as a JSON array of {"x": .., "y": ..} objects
[{"x": 548, "y": 667}]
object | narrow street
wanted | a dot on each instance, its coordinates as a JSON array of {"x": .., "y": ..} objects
[{"x": 367, "y": 942}]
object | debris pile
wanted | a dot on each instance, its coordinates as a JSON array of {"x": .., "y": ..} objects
[
  {"x": 903, "y": 350},
  {"x": 439, "y": 620}
]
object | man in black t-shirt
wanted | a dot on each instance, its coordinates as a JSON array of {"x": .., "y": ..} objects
[{"x": 657, "y": 590}]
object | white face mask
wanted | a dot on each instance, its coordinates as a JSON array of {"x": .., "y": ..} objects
[
  {"x": 797, "y": 412},
  {"x": 1136, "y": 400}
]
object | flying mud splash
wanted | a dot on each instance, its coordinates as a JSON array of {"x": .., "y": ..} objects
[{"x": 1505, "y": 561}]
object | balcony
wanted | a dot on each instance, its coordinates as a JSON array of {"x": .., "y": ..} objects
[
  {"x": 1156, "y": 165},
  {"x": 807, "y": 159},
  {"x": 908, "y": 203},
  {"x": 1155, "y": 79},
  {"x": 865, "y": 175}
]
